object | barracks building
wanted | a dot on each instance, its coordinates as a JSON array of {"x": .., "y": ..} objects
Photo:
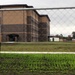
[{"x": 23, "y": 25}]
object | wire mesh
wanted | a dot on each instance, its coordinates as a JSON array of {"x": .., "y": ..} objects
[
  {"x": 22, "y": 25},
  {"x": 61, "y": 23}
]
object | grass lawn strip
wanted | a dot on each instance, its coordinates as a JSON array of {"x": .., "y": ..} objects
[
  {"x": 37, "y": 64},
  {"x": 39, "y": 47}
]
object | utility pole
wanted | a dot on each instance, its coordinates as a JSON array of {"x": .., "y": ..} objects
[{"x": 0, "y": 34}]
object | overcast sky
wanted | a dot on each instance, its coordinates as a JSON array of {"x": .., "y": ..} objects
[
  {"x": 41, "y": 3},
  {"x": 50, "y": 4}
]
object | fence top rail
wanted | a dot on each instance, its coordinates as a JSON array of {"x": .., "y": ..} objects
[{"x": 4, "y": 9}]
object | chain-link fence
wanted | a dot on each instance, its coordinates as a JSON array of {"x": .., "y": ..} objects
[
  {"x": 62, "y": 21},
  {"x": 37, "y": 24}
]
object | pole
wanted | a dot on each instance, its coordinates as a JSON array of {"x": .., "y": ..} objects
[{"x": 54, "y": 8}]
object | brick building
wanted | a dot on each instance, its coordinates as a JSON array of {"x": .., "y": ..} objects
[{"x": 23, "y": 25}]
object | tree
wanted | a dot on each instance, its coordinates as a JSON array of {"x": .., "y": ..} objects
[
  {"x": 57, "y": 35},
  {"x": 61, "y": 36},
  {"x": 69, "y": 38},
  {"x": 73, "y": 33}
]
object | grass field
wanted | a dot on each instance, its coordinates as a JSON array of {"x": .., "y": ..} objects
[
  {"x": 37, "y": 64},
  {"x": 39, "y": 46}
]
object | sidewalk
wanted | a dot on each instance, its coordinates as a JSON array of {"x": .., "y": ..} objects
[{"x": 18, "y": 52}]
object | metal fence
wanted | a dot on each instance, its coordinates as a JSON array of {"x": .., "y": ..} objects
[
  {"x": 62, "y": 23},
  {"x": 33, "y": 25}
]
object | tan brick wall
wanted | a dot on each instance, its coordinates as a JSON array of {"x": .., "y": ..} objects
[
  {"x": 33, "y": 15},
  {"x": 0, "y": 26},
  {"x": 37, "y": 17},
  {"x": 0, "y": 13},
  {"x": 44, "y": 19},
  {"x": 0, "y": 37},
  {"x": 0, "y": 17},
  {"x": 25, "y": 17},
  {"x": 29, "y": 13},
  {"x": 13, "y": 17}
]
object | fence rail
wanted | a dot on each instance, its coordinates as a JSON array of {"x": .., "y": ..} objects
[{"x": 54, "y": 8}]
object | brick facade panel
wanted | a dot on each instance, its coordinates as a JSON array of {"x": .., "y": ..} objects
[
  {"x": 0, "y": 13},
  {"x": 29, "y": 20},
  {"x": 43, "y": 38},
  {"x": 28, "y": 28},
  {"x": 12, "y": 28},
  {"x": 42, "y": 25},
  {"x": 29, "y": 39},
  {"x": 42, "y": 31},
  {"x": 12, "y": 17}
]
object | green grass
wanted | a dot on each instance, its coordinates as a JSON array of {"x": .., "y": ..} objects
[
  {"x": 40, "y": 46},
  {"x": 37, "y": 64}
]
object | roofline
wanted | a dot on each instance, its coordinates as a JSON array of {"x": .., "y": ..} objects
[
  {"x": 13, "y": 5},
  {"x": 46, "y": 16}
]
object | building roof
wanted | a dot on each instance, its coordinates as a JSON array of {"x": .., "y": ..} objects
[{"x": 13, "y": 5}]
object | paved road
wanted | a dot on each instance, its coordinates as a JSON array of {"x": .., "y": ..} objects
[{"x": 13, "y": 52}]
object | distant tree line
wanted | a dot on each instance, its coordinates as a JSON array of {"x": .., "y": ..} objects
[{"x": 73, "y": 34}]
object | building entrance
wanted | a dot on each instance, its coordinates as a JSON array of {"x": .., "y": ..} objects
[{"x": 12, "y": 37}]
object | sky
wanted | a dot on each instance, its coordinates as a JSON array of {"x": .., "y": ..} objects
[
  {"x": 49, "y": 4},
  {"x": 41, "y": 3}
]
